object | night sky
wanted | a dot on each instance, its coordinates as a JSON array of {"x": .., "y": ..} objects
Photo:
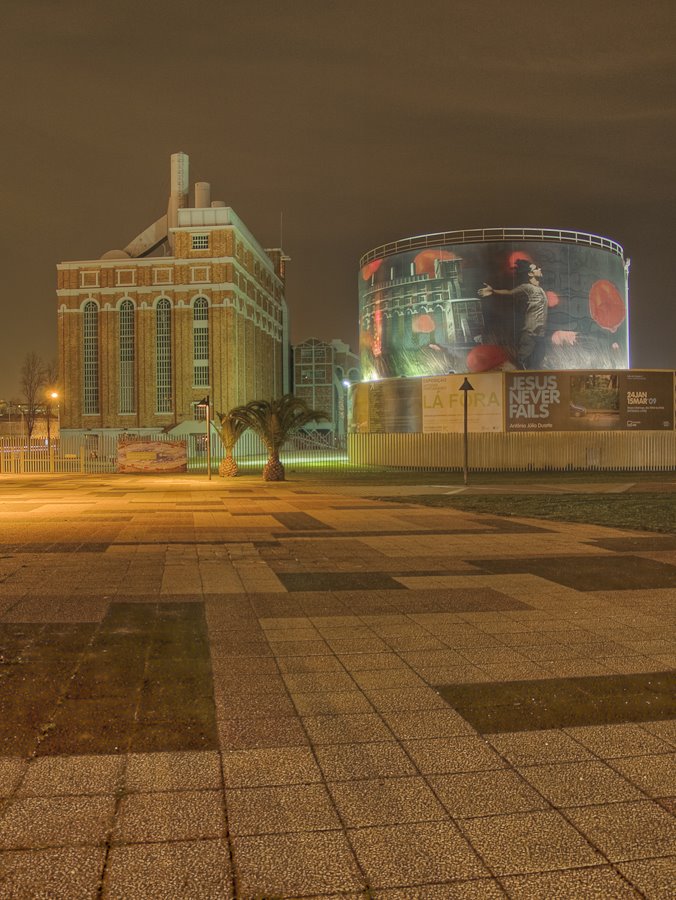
[{"x": 363, "y": 122}]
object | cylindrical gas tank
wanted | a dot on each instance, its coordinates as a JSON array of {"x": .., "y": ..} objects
[{"x": 202, "y": 194}]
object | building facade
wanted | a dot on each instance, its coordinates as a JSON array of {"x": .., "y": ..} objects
[
  {"x": 144, "y": 338},
  {"x": 322, "y": 375}
]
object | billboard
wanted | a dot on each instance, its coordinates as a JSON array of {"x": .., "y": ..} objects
[
  {"x": 443, "y": 403},
  {"x": 589, "y": 401},
  {"x": 493, "y": 306},
  {"x": 136, "y": 456}
]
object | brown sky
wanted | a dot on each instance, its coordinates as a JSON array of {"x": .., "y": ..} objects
[{"x": 363, "y": 122}]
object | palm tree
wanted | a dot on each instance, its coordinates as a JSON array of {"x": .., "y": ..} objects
[
  {"x": 274, "y": 421},
  {"x": 231, "y": 429}
]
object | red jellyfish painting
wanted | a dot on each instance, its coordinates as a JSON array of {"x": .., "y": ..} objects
[
  {"x": 606, "y": 305},
  {"x": 370, "y": 269},
  {"x": 486, "y": 357},
  {"x": 423, "y": 324},
  {"x": 424, "y": 261}
]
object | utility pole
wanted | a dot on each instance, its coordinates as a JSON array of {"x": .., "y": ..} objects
[{"x": 465, "y": 387}]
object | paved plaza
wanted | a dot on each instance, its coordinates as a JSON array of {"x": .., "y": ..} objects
[{"x": 232, "y": 689}]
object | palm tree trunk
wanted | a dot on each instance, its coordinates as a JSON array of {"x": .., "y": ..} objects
[
  {"x": 274, "y": 469},
  {"x": 228, "y": 466}
]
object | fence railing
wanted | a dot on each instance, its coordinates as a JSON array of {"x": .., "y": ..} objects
[{"x": 308, "y": 452}]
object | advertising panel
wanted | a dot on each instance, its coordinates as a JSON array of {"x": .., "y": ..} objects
[
  {"x": 493, "y": 306},
  {"x": 443, "y": 403},
  {"x": 395, "y": 406},
  {"x": 151, "y": 456},
  {"x": 589, "y": 401}
]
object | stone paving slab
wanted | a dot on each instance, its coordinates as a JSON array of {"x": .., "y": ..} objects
[{"x": 248, "y": 690}]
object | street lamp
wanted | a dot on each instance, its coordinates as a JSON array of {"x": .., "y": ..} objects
[{"x": 52, "y": 395}]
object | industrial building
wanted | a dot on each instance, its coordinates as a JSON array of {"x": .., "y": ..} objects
[
  {"x": 323, "y": 372},
  {"x": 192, "y": 306}
]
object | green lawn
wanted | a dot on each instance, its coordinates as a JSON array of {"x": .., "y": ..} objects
[{"x": 644, "y": 510}]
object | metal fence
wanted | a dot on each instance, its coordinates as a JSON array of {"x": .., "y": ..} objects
[
  {"x": 320, "y": 451},
  {"x": 97, "y": 453}
]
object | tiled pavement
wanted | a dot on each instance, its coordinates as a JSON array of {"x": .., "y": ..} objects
[{"x": 214, "y": 689}]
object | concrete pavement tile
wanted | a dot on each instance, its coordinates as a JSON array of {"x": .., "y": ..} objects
[
  {"x": 385, "y": 801},
  {"x": 46, "y": 874},
  {"x": 149, "y": 772},
  {"x": 170, "y": 816},
  {"x": 35, "y": 822},
  {"x": 249, "y": 732},
  {"x": 495, "y": 792},
  {"x": 529, "y": 842},
  {"x": 300, "y": 648},
  {"x": 236, "y": 704},
  {"x": 365, "y": 662},
  {"x": 12, "y": 769},
  {"x": 459, "y": 753},
  {"x": 309, "y": 682},
  {"x": 283, "y": 865},
  {"x": 268, "y": 810},
  {"x": 225, "y": 664},
  {"x": 344, "y": 762},
  {"x": 610, "y": 741},
  {"x": 600, "y": 882},
  {"x": 627, "y": 830},
  {"x": 530, "y": 748},
  {"x": 388, "y": 679},
  {"x": 180, "y": 869},
  {"x": 665, "y": 731},
  {"x": 50, "y": 776},
  {"x": 433, "y": 723},
  {"x": 405, "y": 699},
  {"x": 346, "y": 729},
  {"x": 580, "y": 783},
  {"x": 477, "y": 889},
  {"x": 268, "y": 767},
  {"x": 309, "y": 664},
  {"x": 654, "y": 775},
  {"x": 415, "y": 854},
  {"x": 331, "y": 703},
  {"x": 655, "y": 878}
]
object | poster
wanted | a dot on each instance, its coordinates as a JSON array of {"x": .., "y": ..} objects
[
  {"x": 443, "y": 403},
  {"x": 151, "y": 456}
]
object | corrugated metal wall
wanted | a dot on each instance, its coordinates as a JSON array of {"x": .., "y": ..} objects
[{"x": 637, "y": 451}]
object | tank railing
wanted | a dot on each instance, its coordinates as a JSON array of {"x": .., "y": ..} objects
[{"x": 480, "y": 235}]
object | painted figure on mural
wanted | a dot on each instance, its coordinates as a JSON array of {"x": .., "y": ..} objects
[{"x": 530, "y": 350}]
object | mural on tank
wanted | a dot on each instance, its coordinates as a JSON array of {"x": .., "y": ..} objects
[{"x": 479, "y": 307}]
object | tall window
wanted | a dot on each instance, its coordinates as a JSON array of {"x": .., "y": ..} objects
[
  {"x": 163, "y": 355},
  {"x": 91, "y": 358},
  {"x": 126, "y": 325},
  {"x": 200, "y": 342}
]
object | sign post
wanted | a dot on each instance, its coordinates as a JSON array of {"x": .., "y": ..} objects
[{"x": 465, "y": 387}]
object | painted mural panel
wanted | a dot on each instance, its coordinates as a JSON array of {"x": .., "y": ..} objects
[
  {"x": 488, "y": 306},
  {"x": 152, "y": 456}
]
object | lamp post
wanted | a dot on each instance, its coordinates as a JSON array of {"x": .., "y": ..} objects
[{"x": 52, "y": 395}]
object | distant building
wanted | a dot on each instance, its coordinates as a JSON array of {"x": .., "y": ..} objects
[
  {"x": 144, "y": 338},
  {"x": 322, "y": 373}
]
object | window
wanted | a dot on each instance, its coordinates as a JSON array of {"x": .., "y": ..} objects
[
  {"x": 91, "y": 358},
  {"x": 163, "y": 355},
  {"x": 126, "y": 327},
  {"x": 200, "y": 241},
  {"x": 200, "y": 342}
]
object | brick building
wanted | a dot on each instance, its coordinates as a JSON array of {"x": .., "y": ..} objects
[{"x": 144, "y": 337}]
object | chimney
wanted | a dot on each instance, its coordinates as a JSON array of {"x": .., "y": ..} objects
[
  {"x": 178, "y": 198},
  {"x": 202, "y": 194}
]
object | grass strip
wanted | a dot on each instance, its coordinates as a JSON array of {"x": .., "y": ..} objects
[{"x": 645, "y": 511}]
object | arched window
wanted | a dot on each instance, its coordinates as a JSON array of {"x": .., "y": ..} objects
[
  {"x": 90, "y": 334},
  {"x": 126, "y": 327},
  {"x": 163, "y": 355},
  {"x": 200, "y": 342}
]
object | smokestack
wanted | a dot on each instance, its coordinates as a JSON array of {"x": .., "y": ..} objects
[
  {"x": 178, "y": 198},
  {"x": 202, "y": 194}
]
